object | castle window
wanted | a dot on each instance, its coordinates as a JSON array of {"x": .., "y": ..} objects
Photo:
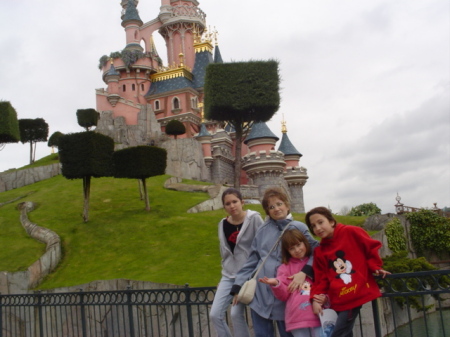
[
  {"x": 142, "y": 86},
  {"x": 133, "y": 87},
  {"x": 194, "y": 102},
  {"x": 157, "y": 106},
  {"x": 176, "y": 103},
  {"x": 124, "y": 88}
]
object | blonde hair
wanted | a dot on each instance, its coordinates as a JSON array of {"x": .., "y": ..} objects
[{"x": 274, "y": 192}]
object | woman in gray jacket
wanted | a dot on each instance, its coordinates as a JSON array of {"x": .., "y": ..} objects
[
  {"x": 265, "y": 307},
  {"x": 236, "y": 233}
]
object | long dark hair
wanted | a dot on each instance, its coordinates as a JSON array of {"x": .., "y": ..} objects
[{"x": 232, "y": 191}]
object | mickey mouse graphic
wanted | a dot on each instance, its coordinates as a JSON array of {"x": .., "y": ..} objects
[
  {"x": 306, "y": 288},
  {"x": 342, "y": 267}
]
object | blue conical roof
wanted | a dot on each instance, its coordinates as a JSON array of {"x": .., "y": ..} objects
[
  {"x": 203, "y": 132},
  {"x": 217, "y": 55},
  {"x": 286, "y": 146},
  {"x": 260, "y": 130},
  {"x": 112, "y": 71},
  {"x": 131, "y": 14},
  {"x": 202, "y": 60}
]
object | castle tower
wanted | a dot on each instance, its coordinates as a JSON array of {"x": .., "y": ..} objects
[
  {"x": 263, "y": 164},
  {"x": 181, "y": 21},
  {"x": 294, "y": 175}
]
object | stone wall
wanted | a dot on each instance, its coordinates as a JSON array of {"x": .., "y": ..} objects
[
  {"x": 185, "y": 159},
  {"x": 20, "y": 178}
]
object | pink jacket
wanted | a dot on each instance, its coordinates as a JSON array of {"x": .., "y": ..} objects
[{"x": 298, "y": 314}]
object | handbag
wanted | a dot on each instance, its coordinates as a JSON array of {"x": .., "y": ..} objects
[{"x": 248, "y": 289}]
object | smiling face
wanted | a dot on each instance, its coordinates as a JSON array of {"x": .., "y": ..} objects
[
  {"x": 278, "y": 210},
  {"x": 298, "y": 250},
  {"x": 321, "y": 226},
  {"x": 233, "y": 205}
]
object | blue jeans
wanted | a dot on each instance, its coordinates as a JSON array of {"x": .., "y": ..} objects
[
  {"x": 222, "y": 300},
  {"x": 263, "y": 327},
  {"x": 345, "y": 322}
]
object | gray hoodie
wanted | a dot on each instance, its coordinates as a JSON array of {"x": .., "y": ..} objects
[
  {"x": 264, "y": 303},
  {"x": 232, "y": 263}
]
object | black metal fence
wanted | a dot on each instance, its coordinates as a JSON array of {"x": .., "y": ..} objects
[{"x": 184, "y": 312}]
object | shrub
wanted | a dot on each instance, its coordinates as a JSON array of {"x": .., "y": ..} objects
[
  {"x": 430, "y": 232},
  {"x": 365, "y": 209},
  {"x": 395, "y": 235}
]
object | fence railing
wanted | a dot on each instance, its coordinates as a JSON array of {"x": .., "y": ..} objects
[{"x": 184, "y": 312}]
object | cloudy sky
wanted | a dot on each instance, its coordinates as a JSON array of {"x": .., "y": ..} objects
[{"x": 365, "y": 84}]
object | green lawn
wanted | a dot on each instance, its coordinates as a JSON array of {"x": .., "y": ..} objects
[{"x": 121, "y": 239}]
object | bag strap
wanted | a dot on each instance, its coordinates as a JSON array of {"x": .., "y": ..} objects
[{"x": 270, "y": 252}]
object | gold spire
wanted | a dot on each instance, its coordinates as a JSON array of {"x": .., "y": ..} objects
[
  {"x": 202, "y": 112},
  {"x": 283, "y": 125}
]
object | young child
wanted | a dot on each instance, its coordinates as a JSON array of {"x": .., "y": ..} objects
[
  {"x": 343, "y": 266},
  {"x": 299, "y": 317}
]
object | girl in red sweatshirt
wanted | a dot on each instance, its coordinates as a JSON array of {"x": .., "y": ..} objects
[{"x": 343, "y": 266}]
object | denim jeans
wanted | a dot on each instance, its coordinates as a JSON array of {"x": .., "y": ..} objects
[
  {"x": 218, "y": 312},
  {"x": 263, "y": 327},
  {"x": 345, "y": 322}
]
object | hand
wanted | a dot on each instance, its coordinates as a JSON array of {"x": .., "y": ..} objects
[
  {"x": 321, "y": 299},
  {"x": 270, "y": 281},
  {"x": 382, "y": 272},
  {"x": 235, "y": 300},
  {"x": 297, "y": 281},
  {"x": 317, "y": 308}
]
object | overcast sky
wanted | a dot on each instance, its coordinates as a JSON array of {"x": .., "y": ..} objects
[{"x": 365, "y": 84}]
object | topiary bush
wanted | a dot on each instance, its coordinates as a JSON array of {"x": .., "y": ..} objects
[
  {"x": 175, "y": 128},
  {"x": 87, "y": 118}
]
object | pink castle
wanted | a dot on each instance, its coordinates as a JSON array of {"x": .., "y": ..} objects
[{"x": 143, "y": 95}]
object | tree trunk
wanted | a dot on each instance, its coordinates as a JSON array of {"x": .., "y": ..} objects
[
  {"x": 34, "y": 151},
  {"x": 147, "y": 202},
  {"x": 31, "y": 152},
  {"x": 86, "y": 192},
  {"x": 141, "y": 190}
]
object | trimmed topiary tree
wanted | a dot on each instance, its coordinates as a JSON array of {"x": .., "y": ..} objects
[
  {"x": 241, "y": 94},
  {"x": 53, "y": 141},
  {"x": 140, "y": 162},
  {"x": 175, "y": 128},
  {"x": 9, "y": 125},
  {"x": 33, "y": 131},
  {"x": 84, "y": 155},
  {"x": 87, "y": 118}
]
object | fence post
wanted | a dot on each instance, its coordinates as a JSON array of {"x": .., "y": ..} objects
[
  {"x": 39, "y": 306},
  {"x": 376, "y": 318},
  {"x": 130, "y": 310},
  {"x": 189, "y": 311},
  {"x": 83, "y": 314}
]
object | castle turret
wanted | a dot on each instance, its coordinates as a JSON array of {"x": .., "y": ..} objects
[
  {"x": 180, "y": 22},
  {"x": 294, "y": 175},
  {"x": 131, "y": 22},
  {"x": 112, "y": 79},
  {"x": 263, "y": 164}
]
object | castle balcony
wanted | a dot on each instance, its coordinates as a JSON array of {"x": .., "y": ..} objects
[
  {"x": 145, "y": 65},
  {"x": 296, "y": 175},
  {"x": 263, "y": 162},
  {"x": 181, "y": 14}
]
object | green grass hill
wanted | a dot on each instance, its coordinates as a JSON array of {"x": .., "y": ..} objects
[{"x": 121, "y": 239}]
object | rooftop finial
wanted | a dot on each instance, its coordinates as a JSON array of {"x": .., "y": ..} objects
[{"x": 283, "y": 125}]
